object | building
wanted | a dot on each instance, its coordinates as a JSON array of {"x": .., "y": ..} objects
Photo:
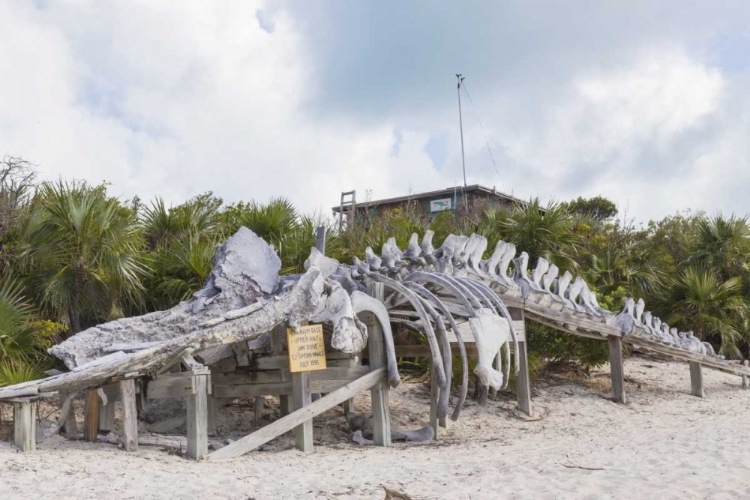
[{"x": 461, "y": 199}]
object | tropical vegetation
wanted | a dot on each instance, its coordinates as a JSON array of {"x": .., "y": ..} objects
[{"x": 73, "y": 256}]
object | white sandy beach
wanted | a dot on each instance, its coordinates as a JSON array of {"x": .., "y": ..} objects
[{"x": 664, "y": 443}]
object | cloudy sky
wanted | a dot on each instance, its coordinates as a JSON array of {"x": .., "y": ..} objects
[{"x": 647, "y": 103}]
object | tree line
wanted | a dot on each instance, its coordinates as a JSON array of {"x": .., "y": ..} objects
[{"x": 73, "y": 256}]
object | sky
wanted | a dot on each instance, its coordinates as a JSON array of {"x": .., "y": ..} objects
[{"x": 645, "y": 103}]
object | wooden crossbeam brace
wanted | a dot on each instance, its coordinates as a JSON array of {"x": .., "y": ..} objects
[{"x": 289, "y": 422}]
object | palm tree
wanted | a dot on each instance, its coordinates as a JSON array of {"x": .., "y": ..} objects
[
  {"x": 179, "y": 270},
  {"x": 632, "y": 265},
  {"x": 20, "y": 339},
  {"x": 196, "y": 218},
  {"x": 714, "y": 309},
  {"x": 83, "y": 253},
  {"x": 724, "y": 244},
  {"x": 273, "y": 221},
  {"x": 542, "y": 232}
]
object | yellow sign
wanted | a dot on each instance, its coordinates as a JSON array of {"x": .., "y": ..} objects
[{"x": 307, "y": 351}]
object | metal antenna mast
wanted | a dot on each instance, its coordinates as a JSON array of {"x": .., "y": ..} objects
[{"x": 460, "y": 79}]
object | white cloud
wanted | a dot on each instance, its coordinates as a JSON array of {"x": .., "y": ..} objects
[{"x": 172, "y": 102}]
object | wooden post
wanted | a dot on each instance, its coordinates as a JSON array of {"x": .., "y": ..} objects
[
  {"x": 260, "y": 402},
  {"x": 523, "y": 380},
  {"x": 617, "y": 373},
  {"x": 320, "y": 239},
  {"x": 380, "y": 393},
  {"x": 24, "y": 425},
  {"x": 320, "y": 245},
  {"x": 745, "y": 378},
  {"x": 278, "y": 335},
  {"x": 434, "y": 395},
  {"x": 301, "y": 397},
  {"x": 696, "y": 379},
  {"x": 91, "y": 416},
  {"x": 129, "y": 415},
  {"x": 197, "y": 419}
]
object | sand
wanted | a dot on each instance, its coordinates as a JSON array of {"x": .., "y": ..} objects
[{"x": 664, "y": 443}]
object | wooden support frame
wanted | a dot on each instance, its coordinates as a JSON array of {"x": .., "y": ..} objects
[
  {"x": 745, "y": 378},
  {"x": 129, "y": 415},
  {"x": 197, "y": 419},
  {"x": 617, "y": 372},
  {"x": 24, "y": 425},
  {"x": 289, "y": 422},
  {"x": 523, "y": 380},
  {"x": 301, "y": 397},
  {"x": 696, "y": 380},
  {"x": 278, "y": 338},
  {"x": 380, "y": 392}
]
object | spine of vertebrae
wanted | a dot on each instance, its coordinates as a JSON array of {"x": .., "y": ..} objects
[{"x": 459, "y": 260}]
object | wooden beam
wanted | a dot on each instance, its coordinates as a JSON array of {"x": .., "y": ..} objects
[
  {"x": 380, "y": 393},
  {"x": 745, "y": 378},
  {"x": 253, "y": 390},
  {"x": 617, "y": 373},
  {"x": 129, "y": 415},
  {"x": 523, "y": 379},
  {"x": 24, "y": 425},
  {"x": 696, "y": 380},
  {"x": 174, "y": 385},
  {"x": 197, "y": 419},
  {"x": 291, "y": 421},
  {"x": 278, "y": 342},
  {"x": 320, "y": 239},
  {"x": 91, "y": 416},
  {"x": 423, "y": 351},
  {"x": 260, "y": 403}
]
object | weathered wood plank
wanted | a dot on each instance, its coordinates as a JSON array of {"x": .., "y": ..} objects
[
  {"x": 745, "y": 378},
  {"x": 278, "y": 388},
  {"x": 91, "y": 416},
  {"x": 129, "y": 415},
  {"x": 617, "y": 372},
  {"x": 173, "y": 385},
  {"x": 423, "y": 351},
  {"x": 289, "y": 422},
  {"x": 260, "y": 404},
  {"x": 197, "y": 419},
  {"x": 696, "y": 380},
  {"x": 523, "y": 379},
  {"x": 24, "y": 426},
  {"x": 380, "y": 393}
]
